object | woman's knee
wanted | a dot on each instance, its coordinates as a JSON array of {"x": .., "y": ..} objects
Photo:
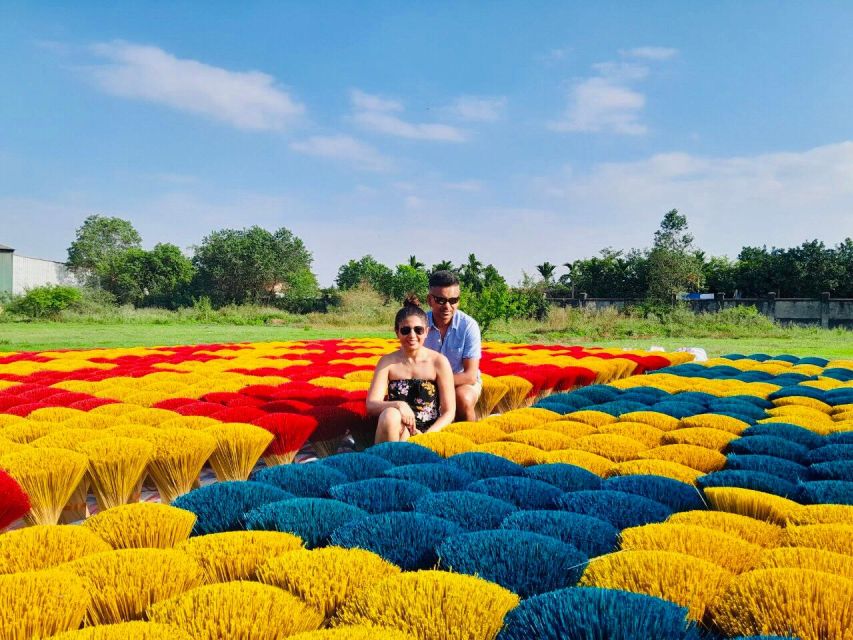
[{"x": 388, "y": 428}]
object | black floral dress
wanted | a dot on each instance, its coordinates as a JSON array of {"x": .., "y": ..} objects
[{"x": 420, "y": 395}]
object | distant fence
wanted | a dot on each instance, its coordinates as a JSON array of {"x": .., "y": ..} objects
[{"x": 825, "y": 311}]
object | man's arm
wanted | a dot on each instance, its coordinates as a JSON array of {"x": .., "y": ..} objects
[{"x": 470, "y": 372}]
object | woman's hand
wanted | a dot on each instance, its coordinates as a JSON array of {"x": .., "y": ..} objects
[{"x": 407, "y": 417}]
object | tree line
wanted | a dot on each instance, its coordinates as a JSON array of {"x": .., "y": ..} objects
[{"x": 257, "y": 266}]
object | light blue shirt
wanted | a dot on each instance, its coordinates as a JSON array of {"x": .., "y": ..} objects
[{"x": 462, "y": 340}]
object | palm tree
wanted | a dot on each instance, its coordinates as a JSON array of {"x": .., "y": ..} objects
[
  {"x": 470, "y": 272},
  {"x": 546, "y": 270},
  {"x": 444, "y": 265},
  {"x": 414, "y": 263}
]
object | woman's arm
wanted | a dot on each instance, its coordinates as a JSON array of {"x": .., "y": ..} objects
[
  {"x": 376, "y": 402},
  {"x": 446, "y": 394}
]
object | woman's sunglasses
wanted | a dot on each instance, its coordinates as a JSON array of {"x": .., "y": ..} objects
[{"x": 404, "y": 331}]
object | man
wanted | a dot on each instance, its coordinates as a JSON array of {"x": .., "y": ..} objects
[{"x": 456, "y": 335}]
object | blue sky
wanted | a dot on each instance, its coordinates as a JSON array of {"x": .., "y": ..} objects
[{"x": 520, "y": 131}]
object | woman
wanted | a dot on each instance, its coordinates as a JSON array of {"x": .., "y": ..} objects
[{"x": 412, "y": 388}]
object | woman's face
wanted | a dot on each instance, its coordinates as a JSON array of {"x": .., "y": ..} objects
[{"x": 411, "y": 331}]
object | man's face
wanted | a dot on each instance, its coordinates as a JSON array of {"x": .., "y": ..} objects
[{"x": 443, "y": 301}]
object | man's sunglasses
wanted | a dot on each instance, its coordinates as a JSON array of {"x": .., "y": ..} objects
[
  {"x": 440, "y": 301},
  {"x": 404, "y": 331}
]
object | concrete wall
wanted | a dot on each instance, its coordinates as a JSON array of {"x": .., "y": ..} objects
[
  {"x": 824, "y": 311},
  {"x": 28, "y": 273}
]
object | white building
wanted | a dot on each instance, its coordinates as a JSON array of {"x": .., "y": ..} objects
[{"x": 20, "y": 273}]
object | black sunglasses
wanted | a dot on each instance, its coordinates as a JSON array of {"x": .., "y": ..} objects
[
  {"x": 441, "y": 301},
  {"x": 404, "y": 331}
]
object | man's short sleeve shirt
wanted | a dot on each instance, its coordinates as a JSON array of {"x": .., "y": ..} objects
[{"x": 462, "y": 340}]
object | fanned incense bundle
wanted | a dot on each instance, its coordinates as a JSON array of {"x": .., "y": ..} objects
[
  {"x": 39, "y": 604},
  {"x": 755, "y": 504},
  {"x": 326, "y": 578},
  {"x": 476, "y": 432},
  {"x": 591, "y": 417},
  {"x": 116, "y": 469},
  {"x": 830, "y": 537},
  {"x": 179, "y": 455},
  {"x": 142, "y": 524},
  {"x": 126, "y": 631},
  {"x": 715, "y": 439},
  {"x": 541, "y": 439},
  {"x": 764, "y": 534},
  {"x": 238, "y": 449},
  {"x": 14, "y": 503},
  {"x": 354, "y": 632},
  {"x": 49, "y": 477},
  {"x": 524, "y": 562},
  {"x": 426, "y": 604},
  {"x": 654, "y": 419},
  {"x": 26, "y": 431},
  {"x": 237, "y": 610},
  {"x": 727, "y": 551},
  {"x": 54, "y": 414},
  {"x": 715, "y": 421},
  {"x": 520, "y": 419},
  {"x": 597, "y": 614},
  {"x": 823, "y": 514},
  {"x": 44, "y": 546},
  {"x": 445, "y": 444},
  {"x": 645, "y": 433},
  {"x": 613, "y": 447},
  {"x": 693, "y": 456},
  {"x": 654, "y": 467},
  {"x": 494, "y": 390},
  {"x": 807, "y": 558},
  {"x": 125, "y": 582},
  {"x": 236, "y": 555},
  {"x": 522, "y": 454},
  {"x": 290, "y": 432},
  {"x": 810, "y": 605},
  {"x": 569, "y": 428},
  {"x": 8, "y": 446},
  {"x": 516, "y": 393},
  {"x": 683, "y": 579},
  {"x": 599, "y": 465},
  {"x": 67, "y": 438}
]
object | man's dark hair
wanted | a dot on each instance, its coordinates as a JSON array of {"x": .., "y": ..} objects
[{"x": 442, "y": 279}]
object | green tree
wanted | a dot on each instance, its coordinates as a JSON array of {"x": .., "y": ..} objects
[
  {"x": 408, "y": 280},
  {"x": 674, "y": 265},
  {"x": 720, "y": 274},
  {"x": 444, "y": 265},
  {"x": 250, "y": 265},
  {"x": 367, "y": 270},
  {"x": 491, "y": 302},
  {"x": 414, "y": 263},
  {"x": 98, "y": 240},
  {"x": 470, "y": 274},
  {"x": 546, "y": 270},
  {"x": 844, "y": 258},
  {"x": 167, "y": 273}
]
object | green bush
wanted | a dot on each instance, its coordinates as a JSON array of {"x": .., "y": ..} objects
[{"x": 45, "y": 302}]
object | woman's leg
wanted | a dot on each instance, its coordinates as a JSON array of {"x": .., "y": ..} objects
[{"x": 390, "y": 427}]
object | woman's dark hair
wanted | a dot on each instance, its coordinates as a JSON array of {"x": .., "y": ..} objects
[
  {"x": 442, "y": 279},
  {"x": 411, "y": 307}
]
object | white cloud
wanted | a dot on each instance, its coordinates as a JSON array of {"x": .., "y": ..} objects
[
  {"x": 344, "y": 148},
  {"x": 650, "y": 53},
  {"x": 779, "y": 199},
  {"x": 603, "y": 105},
  {"x": 381, "y": 115},
  {"x": 244, "y": 99},
  {"x": 608, "y": 102},
  {"x": 478, "y": 109}
]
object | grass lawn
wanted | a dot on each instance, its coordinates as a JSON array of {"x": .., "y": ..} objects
[{"x": 68, "y": 335}]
